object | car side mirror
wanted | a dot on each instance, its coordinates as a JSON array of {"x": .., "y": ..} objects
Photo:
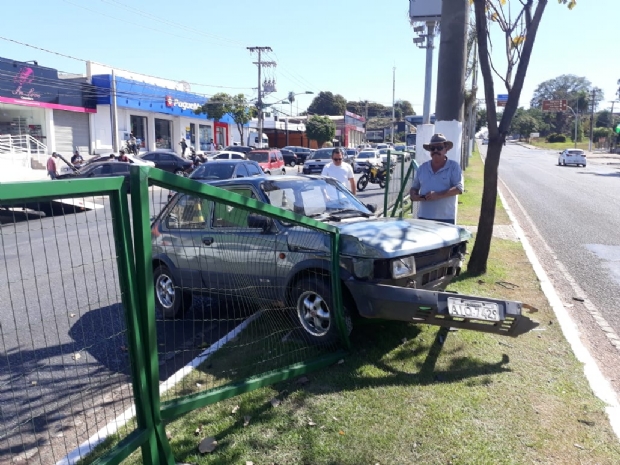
[
  {"x": 259, "y": 222},
  {"x": 372, "y": 207}
]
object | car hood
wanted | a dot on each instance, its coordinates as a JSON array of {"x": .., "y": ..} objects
[{"x": 386, "y": 237}]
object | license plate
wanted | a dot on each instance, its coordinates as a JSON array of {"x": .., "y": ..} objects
[{"x": 476, "y": 310}]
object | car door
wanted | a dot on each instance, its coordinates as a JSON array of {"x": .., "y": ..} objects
[
  {"x": 254, "y": 169},
  {"x": 167, "y": 162},
  {"x": 240, "y": 253},
  {"x": 240, "y": 171}
]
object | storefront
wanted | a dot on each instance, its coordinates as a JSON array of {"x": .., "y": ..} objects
[
  {"x": 41, "y": 111},
  {"x": 159, "y": 117}
]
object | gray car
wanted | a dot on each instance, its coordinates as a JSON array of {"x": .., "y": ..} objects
[
  {"x": 203, "y": 247},
  {"x": 315, "y": 163}
]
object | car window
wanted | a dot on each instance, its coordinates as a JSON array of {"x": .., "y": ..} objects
[
  {"x": 187, "y": 213},
  {"x": 213, "y": 171},
  {"x": 237, "y": 157},
  {"x": 253, "y": 170},
  {"x": 221, "y": 156},
  {"x": 121, "y": 168},
  {"x": 166, "y": 157},
  {"x": 259, "y": 157},
  {"x": 284, "y": 198},
  {"x": 226, "y": 216},
  {"x": 241, "y": 171},
  {"x": 98, "y": 171},
  {"x": 150, "y": 156}
]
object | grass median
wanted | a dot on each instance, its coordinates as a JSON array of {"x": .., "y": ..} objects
[{"x": 416, "y": 394}]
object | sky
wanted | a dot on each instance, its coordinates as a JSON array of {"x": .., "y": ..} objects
[{"x": 343, "y": 46}]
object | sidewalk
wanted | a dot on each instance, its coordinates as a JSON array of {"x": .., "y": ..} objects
[{"x": 11, "y": 173}]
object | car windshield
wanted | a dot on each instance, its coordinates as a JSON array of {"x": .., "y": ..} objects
[
  {"x": 321, "y": 154},
  {"x": 213, "y": 170},
  {"x": 366, "y": 155},
  {"x": 314, "y": 197},
  {"x": 575, "y": 152},
  {"x": 259, "y": 157},
  {"x": 383, "y": 151}
]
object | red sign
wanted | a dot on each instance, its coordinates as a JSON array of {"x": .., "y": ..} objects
[
  {"x": 555, "y": 105},
  {"x": 502, "y": 103},
  {"x": 169, "y": 101}
]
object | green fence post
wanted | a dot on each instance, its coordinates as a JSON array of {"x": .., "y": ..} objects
[
  {"x": 144, "y": 278},
  {"x": 401, "y": 194},
  {"x": 387, "y": 184},
  {"x": 337, "y": 289},
  {"x": 402, "y": 186}
]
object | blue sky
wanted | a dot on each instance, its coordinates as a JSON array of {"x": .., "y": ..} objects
[{"x": 344, "y": 46}]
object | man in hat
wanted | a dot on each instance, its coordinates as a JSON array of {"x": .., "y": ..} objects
[{"x": 437, "y": 183}]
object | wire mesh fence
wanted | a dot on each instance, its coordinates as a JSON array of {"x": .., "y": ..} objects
[
  {"x": 401, "y": 174},
  {"x": 65, "y": 370},
  {"x": 240, "y": 292}
]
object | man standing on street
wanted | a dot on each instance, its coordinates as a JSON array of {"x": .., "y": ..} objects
[
  {"x": 437, "y": 183},
  {"x": 183, "y": 144},
  {"x": 51, "y": 166},
  {"x": 340, "y": 171}
]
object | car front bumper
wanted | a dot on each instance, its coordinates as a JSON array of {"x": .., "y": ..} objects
[{"x": 431, "y": 307}]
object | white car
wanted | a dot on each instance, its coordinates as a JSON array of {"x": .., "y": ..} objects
[
  {"x": 572, "y": 157},
  {"x": 365, "y": 157},
  {"x": 226, "y": 155},
  {"x": 384, "y": 154}
]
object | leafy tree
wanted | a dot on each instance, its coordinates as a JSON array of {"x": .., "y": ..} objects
[
  {"x": 321, "y": 129},
  {"x": 405, "y": 107},
  {"x": 326, "y": 103},
  {"x": 216, "y": 106},
  {"x": 519, "y": 21},
  {"x": 241, "y": 112},
  {"x": 374, "y": 109},
  {"x": 606, "y": 133},
  {"x": 481, "y": 119},
  {"x": 525, "y": 124},
  {"x": 603, "y": 119}
]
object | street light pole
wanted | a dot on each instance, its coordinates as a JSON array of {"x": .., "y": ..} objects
[{"x": 576, "y": 120}]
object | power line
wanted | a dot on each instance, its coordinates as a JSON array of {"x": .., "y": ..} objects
[{"x": 118, "y": 69}]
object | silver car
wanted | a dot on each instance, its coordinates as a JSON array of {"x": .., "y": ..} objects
[{"x": 201, "y": 247}]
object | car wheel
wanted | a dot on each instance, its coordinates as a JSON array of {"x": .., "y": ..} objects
[
  {"x": 169, "y": 298},
  {"x": 362, "y": 182},
  {"x": 268, "y": 173},
  {"x": 292, "y": 164},
  {"x": 559, "y": 162},
  {"x": 314, "y": 310},
  {"x": 179, "y": 172}
]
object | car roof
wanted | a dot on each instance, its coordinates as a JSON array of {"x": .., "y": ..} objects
[
  {"x": 256, "y": 180},
  {"x": 232, "y": 161}
]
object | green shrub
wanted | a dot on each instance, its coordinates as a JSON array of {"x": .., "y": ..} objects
[{"x": 556, "y": 138}]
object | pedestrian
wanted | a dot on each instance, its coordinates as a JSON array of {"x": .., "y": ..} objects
[
  {"x": 183, "y": 145},
  {"x": 76, "y": 159},
  {"x": 340, "y": 171},
  {"x": 51, "y": 166},
  {"x": 112, "y": 157},
  {"x": 122, "y": 157},
  {"x": 133, "y": 143},
  {"x": 437, "y": 183},
  {"x": 210, "y": 146}
]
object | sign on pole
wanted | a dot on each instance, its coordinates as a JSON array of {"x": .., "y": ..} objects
[
  {"x": 555, "y": 105},
  {"x": 425, "y": 10},
  {"x": 502, "y": 99}
]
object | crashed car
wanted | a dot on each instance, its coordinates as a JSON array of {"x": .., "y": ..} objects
[{"x": 204, "y": 247}]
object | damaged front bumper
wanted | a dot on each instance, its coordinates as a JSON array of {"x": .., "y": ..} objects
[{"x": 438, "y": 309}]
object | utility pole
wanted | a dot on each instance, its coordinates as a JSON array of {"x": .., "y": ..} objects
[
  {"x": 393, "y": 101},
  {"x": 259, "y": 104},
  {"x": 592, "y": 120}
]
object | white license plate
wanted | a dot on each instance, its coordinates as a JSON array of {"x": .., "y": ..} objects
[{"x": 476, "y": 310}]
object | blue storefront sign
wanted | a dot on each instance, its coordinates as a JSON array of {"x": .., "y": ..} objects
[{"x": 148, "y": 97}]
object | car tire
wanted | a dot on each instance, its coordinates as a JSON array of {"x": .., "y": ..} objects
[
  {"x": 559, "y": 162},
  {"x": 312, "y": 304},
  {"x": 382, "y": 184},
  {"x": 170, "y": 300},
  {"x": 362, "y": 182},
  {"x": 292, "y": 164}
]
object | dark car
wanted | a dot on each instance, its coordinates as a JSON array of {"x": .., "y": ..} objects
[
  {"x": 290, "y": 157},
  {"x": 203, "y": 246},
  {"x": 302, "y": 152},
  {"x": 104, "y": 169},
  {"x": 317, "y": 160},
  {"x": 168, "y": 161},
  {"x": 238, "y": 148},
  {"x": 226, "y": 169}
]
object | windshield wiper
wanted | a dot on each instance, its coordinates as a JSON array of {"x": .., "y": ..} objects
[{"x": 350, "y": 210}]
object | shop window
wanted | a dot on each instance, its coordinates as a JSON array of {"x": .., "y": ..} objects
[
  {"x": 138, "y": 127},
  {"x": 163, "y": 134},
  {"x": 205, "y": 134}
]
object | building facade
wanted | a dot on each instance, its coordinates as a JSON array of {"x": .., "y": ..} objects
[{"x": 43, "y": 111}]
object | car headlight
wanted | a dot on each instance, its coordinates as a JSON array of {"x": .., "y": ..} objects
[{"x": 403, "y": 267}]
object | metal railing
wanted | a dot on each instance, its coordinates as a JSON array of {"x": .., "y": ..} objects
[
  {"x": 400, "y": 171},
  {"x": 23, "y": 144}
]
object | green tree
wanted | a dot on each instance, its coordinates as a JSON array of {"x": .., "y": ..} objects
[
  {"x": 321, "y": 129},
  {"x": 603, "y": 119},
  {"x": 405, "y": 107},
  {"x": 241, "y": 112},
  {"x": 326, "y": 103},
  {"x": 517, "y": 22},
  {"x": 481, "y": 119},
  {"x": 216, "y": 107}
]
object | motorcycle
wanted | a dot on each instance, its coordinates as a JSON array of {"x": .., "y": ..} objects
[{"x": 372, "y": 174}]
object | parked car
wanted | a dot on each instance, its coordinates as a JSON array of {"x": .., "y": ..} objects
[
  {"x": 302, "y": 152},
  {"x": 317, "y": 160},
  {"x": 104, "y": 169},
  {"x": 350, "y": 155},
  {"x": 366, "y": 157},
  {"x": 281, "y": 263},
  {"x": 227, "y": 155},
  {"x": 239, "y": 148},
  {"x": 226, "y": 169},
  {"x": 66, "y": 168},
  {"x": 290, "y": 157},
  {"x": 572, "y": 157},
  {"x": 270, "y": 160},
  {"x": 383, "y": 153},
  {"x": 169, "y": 161}
]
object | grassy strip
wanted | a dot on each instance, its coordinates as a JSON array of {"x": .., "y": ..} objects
[
  {"x": 559, "y": 146},
  {"x": 415, "y": 394}
]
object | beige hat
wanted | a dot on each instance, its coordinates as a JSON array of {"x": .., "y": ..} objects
[{"x": 438, "y": 139}]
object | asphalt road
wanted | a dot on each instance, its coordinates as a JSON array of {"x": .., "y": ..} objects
[{"x": 575, "y": 209}]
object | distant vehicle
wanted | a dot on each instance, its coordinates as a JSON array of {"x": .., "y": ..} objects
[
  {"x": 316, "y": 162},
  {"x": 66, "y": 169},
  {"x": 383, "y": 153},
  {"x": 350, "y": 155},
  {"x": 238, "y": 148},
  {"x": 103, "y": 169},
  {"x": 227, "y": 155},
  {"x": 410, "y": 139},
  {"x": 226, "y": 169},
  {"x": 301, "y": 152},
  {"x": 271, "y": 161},
  {"x": 290, "y": 157},
  {"x": 365, "y": 158},
  {"x": 169, "y": 161},
  {"x": 254, "y": 142},
  {"x": 572, "y": 157}
]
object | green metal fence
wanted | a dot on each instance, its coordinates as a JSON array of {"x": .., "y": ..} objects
[
  {"x": 400, "y": 172},
  {"x": 136, "y": 362}
]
